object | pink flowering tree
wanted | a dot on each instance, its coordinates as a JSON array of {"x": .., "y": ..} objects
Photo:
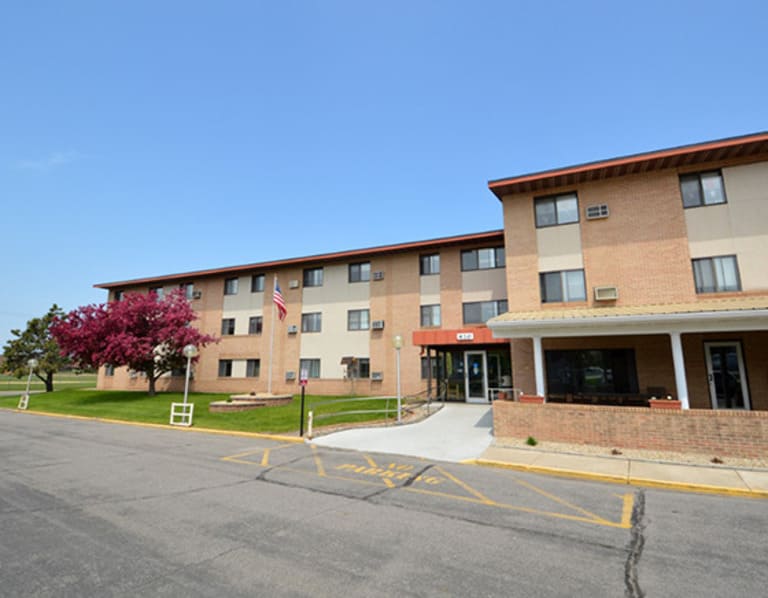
[{"x": 142, "y": 332}]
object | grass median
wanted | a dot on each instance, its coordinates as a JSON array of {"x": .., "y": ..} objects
[{"x": 138, "y": 407}]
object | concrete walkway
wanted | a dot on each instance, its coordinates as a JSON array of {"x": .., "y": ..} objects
[{"x": 455, "y": 433}]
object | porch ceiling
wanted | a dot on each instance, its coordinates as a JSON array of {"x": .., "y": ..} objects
[{"x": 706, "y": 315}]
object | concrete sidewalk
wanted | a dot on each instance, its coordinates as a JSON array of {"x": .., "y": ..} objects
[
  {"x": 697, "y": 478},
  {"x": 457, "y": 432}
]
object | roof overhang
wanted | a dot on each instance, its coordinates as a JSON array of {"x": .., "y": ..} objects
[
  {"x": 748, "y": 314},
  {"x": 744, "y": 147},
  {"x": 371, "y": 252}
]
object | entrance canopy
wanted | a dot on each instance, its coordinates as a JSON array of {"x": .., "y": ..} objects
[
  {"x": 711, "y": 315},
  {"x": 706, "y": 315}
]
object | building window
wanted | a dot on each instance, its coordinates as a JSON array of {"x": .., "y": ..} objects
[
  {"x": 257, "y": 283},
  {"x": 189, "y": 290},
  {"x": 360, "y": 272},
  {"x": 118, "y": 295},
  {"x": 312, "y": 367},
  {"x": 358, "y": 319},
  {"x": 556, "y": 210},
  {"x": 562, "y": 286},
  {"x": 429, "y": 264},
  {"x": 227, "y": 326},
  {"x": 312, "y": 322},
  {"x": 361, "y": 367},
  {"x": 109, "y": 369},
  {"x": 702, "y": 189},
  {"x": 430, "y": 315},
  {"x": 479, "y": 312},
  {"x": 225, "y": 368},
  {"x": 255, "y": 324},
  {"x": 230, "y": 286},
  {"x": 252, "y": 368},
  {"x": 591, "y": 371},
  {"x": 313, "y": 277},
  {"x": 716, "y": 274},
  {"x": 158, "y": 291},
  {"x": 425, "y": 367},
  {"x": 482, "y": 259}
]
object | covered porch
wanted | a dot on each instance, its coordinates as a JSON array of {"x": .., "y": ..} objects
[{"x": 710, "y": 354}]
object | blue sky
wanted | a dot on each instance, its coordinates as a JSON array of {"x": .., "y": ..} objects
[{"x": 152, "y": 137}]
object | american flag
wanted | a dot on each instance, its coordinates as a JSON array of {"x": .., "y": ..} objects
[{"x": 277, "y": 297}]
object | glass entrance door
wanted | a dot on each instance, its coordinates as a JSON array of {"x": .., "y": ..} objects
[
  {"x": 727, "y": 380},
  {"x": 476, "y": 377}
]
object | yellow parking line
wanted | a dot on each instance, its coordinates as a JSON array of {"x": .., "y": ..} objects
[
  {"x": 318, "y": 462},
  {"x": 626, "y": 512},
  {"x": 484, "y": 499}
]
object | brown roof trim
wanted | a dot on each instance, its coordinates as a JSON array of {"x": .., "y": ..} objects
[
  {"x": 494, "y": 235},
  {"x": 686, "y": 155}
]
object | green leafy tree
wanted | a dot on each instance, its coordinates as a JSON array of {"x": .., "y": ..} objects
[{"x": 36, "y": 342}]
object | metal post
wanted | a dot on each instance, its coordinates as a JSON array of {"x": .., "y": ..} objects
[
  {"x": 399, "y": 397},
  {"x": 186, "y": 379},
  {"x": 301, "y": 420}
]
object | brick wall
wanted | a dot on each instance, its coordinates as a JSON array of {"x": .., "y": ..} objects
[{"x": 711, "y": 432}]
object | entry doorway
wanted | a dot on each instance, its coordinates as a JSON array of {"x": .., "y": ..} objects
[
  {"x": 726, "y": 375},
  {"x": 476, "y": 376}
]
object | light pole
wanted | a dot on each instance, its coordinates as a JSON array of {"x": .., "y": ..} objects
[
  {"x": 397, "y": 343},
  {"x": 190, "y": 352},
  {"x": 32, "y": 363}
]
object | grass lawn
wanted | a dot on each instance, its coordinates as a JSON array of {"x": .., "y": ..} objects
[
  {"x": 61, "y": 380},
  {"x": 137, "y": 406}
]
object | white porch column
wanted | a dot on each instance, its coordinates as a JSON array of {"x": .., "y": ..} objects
[
  {"x": 538, "y": 365},
  {"x": 679, "y": 362}
]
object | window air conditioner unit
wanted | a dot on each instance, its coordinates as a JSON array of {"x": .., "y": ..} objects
[
  {"x": 377, "y": 325},
  {"x": 606, "y": 293},
  {"x": 290, "y": 375},
  {"x": 197, "y": 294},
  {"x": 293, "y": 284},
  {"x": 377, "y": 376},
  {"x": 293, "y": 329},
  {"x": 379, "y": 275},
  {"x": 597, "y": 211}
]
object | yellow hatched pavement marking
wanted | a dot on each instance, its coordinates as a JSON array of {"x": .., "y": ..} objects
[
  {"x": 565, "y": 503},
  {"x": 484, "y": 499},
  {"x": 239, "y": 457}
]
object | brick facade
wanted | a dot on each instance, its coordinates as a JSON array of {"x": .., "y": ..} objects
[{"x": 711, "y": 432}]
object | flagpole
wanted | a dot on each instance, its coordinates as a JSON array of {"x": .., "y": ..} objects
[{"x": 272, "y": 337}]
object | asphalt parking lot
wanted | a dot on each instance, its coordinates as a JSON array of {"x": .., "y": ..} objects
[{"x": 95, "y": 509}]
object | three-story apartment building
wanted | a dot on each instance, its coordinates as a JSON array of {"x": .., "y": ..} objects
[{"x": 344, "y": 311}]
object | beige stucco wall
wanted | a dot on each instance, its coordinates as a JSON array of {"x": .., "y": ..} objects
[
  {"x": 737, "y": 227},
  {"x": 483, "y": 285},
  {"x": 333, "y": 300},
  {"x": 559, "y": 248},
  {"x": 430, "y": 289}
]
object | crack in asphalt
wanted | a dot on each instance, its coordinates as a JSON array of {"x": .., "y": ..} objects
[{"x": 635, "y": 548}]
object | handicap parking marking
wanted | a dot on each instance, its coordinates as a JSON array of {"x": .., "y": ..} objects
[
  {"x": 428, "y": 479},
  {"x": 258, "y": 456}
]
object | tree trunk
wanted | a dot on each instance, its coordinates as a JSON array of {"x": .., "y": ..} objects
[
  {"x": 49, "y": 382},
  {"x": 152, "y": 380}
]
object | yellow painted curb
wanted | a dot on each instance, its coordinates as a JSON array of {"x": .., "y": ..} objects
[
  {"x": 277, "y": 437},
  {"x": 701, "y": 488},
  {"x": 584, "y": 475}
]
